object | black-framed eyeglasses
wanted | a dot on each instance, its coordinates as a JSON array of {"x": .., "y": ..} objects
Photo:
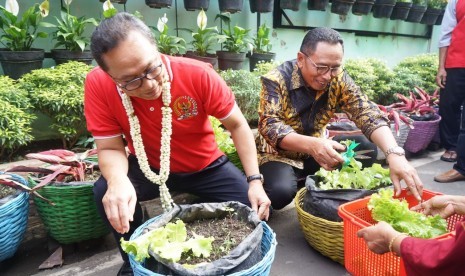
[
  {"x": 150, "y": 74},
  {"x": 322, "y": 69}
]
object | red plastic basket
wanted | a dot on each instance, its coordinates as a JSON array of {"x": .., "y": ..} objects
[{"x": 358, "y": 259}]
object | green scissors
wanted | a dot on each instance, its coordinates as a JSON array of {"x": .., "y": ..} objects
[{"x": 350, "y": 153}]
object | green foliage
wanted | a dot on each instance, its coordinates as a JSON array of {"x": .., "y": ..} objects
[
  {"x": 246, "y": 87},
  {"x": 70, "y": 31},
  {"x": 262, "y": 67},
  {"x": 419, "y": 70},
  {"x": 20, "y": 34},
  {"x": 397, "y": 213},
  {"x": 168, "y": 44},
  {"x": 237, "y": 39},
  {"x": 261, "y": 41},
  {"x": 437, "y": 4},
  {"x": 169, "y": 242},
  {"x": 59, "y": 93},
  {"x": 15, "y": 118},
  {"x": 419, "y": 2}
]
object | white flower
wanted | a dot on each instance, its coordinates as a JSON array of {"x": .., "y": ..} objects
[
  {"x": 12, "y": 6},
  {"x": 107, "y": 5},
  {"x": 202, "y": 20},
  {"x": 68, "y": 2},
  {"x": 161, "y": 23},
  {"x": 44, "y": 8}
]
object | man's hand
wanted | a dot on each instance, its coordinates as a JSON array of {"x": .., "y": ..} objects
[
  {"x": 326, "y": 153},
  {"x": 400, "y": 169},
  {"x": 119, "y": 203},
  {"x": 259, "y": 200},
  {"x": 441, "y": 77}
]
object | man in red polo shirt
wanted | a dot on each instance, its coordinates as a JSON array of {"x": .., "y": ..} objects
[{"x": 159, "y": 105}]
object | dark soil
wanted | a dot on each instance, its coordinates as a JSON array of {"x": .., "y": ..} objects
[{"x": 228, "y": 233}]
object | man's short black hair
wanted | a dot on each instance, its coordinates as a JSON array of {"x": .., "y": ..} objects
[{"x": 321, "y": 34}]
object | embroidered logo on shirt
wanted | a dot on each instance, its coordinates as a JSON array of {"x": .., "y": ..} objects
[{"x": 185, "y": 107}]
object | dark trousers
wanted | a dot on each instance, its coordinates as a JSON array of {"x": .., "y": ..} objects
[
  {"x": 460, "y": 165},
  {"x": 219, "y": 182},
  {"x": 452, "y": 97}
]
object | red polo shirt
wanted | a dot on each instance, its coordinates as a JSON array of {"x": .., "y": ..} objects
[{"x": 196, "y": 92}]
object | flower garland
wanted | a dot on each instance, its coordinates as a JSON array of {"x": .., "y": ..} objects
[{"x": 160, "y": 179}]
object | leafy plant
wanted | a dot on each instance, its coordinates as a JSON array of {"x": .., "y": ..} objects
[
  {"x": 20, "y": 34},
  {"x": 424, "y": 66},
  {"x": 59, "y": 93},
  {"x": 395, "y": 117},
  {"x": 263, "y": 67},
  {"x": 70, "y": 30},
  {"x": 15, "y": 118},
  {"x": 236, "y": 38},
  {"x": 437, "y": 4},
  {"x": 397, "y": 213},
  {"x": 246, "y": 88},
  {"x": 168, "y": 44},
  {"x": 419, "y": 2},
  {"x": 261, "y": 42},
  {"x": 204, "y": 38}
]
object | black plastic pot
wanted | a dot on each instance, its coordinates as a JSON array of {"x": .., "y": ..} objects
[
  {"x": 290, "y": 4},
  {"x": 255, "y": 58},
  {"x": 261, "y": 6},
  {"x": 228, "y": 60},
  {"x": 431, "y": 16},
  {"x": 416, "y": 13},
  {"x": 192, "y": 5},
  {"x": 383, "y": 8},
  {"x": 440, "y": 17},
  {"x": 210, "y": 58},
  {"x": 318, "y": 5},
  {"x": 401, "y": 10},
  {"x": 231, "y": 6},
  {"x": 362, "y": 7},
  {"x": 17, "y": 63},
  {"x": 158, "y": 4},
  {"x": 61, "y": 56},
  {"x": 116, "y": 1},
  {"x": 341, "y": 7}
]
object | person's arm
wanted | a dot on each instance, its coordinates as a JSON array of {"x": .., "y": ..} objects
[
  {"x": 442, "y": 74},
  {"x": 244, "y": 142},
  {"x": 443, "y": 205},
  {"x": 120, "y": 198},
  {"x": 382, "y": 238},
  {"x": 448, "y": 24},
  {"x": 400, "y": 168}
]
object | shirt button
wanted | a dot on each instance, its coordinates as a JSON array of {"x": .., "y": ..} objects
[{"x": 152, "y": 108}]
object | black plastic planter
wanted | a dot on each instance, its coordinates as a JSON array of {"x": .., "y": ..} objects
[
  {"x": 17, "y": 63},
  {"x": 440, "y": 17},
  {"x": 290, "y": 4},
  {"x": 362, "y": 7},
  {"x": 401, "y": 10},
  {"x": 341, "y": 7},
  {"x": 192, "y": 5},
  {"x": 431, "y": 16},
  {"x": 158, "y": 4},
  {"x": 261, "y": 6},
  {"x": 318, "y": 5},
  {"x": 231, "y": 6},
  {"x": 416, "y": 13},
  {"x": 383, "y": 8}
]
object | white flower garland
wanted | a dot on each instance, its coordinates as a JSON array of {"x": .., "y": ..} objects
[{"x": 160, "y": 179}]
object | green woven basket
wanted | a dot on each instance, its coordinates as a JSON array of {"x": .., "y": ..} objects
[{"x": 74, "y": 217}]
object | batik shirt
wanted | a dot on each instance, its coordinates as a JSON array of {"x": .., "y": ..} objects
[{"x": 287, "y": 105}]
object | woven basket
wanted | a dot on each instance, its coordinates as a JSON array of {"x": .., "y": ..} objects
[
  {"x": 327, "y": 237},
  {"x": 268, "y": 246},
  {"x": 13, "y": 221},
  {"x": 421, "y": 135},
  {"x": 74, "y": 217}
]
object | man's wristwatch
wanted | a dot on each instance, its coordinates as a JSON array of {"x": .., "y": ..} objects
[
  {"x": 395, "y": 150},
  {"x": 255, "y": 177}
]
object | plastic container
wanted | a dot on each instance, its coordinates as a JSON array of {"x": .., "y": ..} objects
[{"x": 358, "y": 259}]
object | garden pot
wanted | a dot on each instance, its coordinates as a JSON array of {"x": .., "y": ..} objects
[
  {"x": 416, "y": 13},
  {"x": 61, "y": 56},
  {"x": 401, "y": 10},
  {"x": 431, "y": 16},
  {"x": 261, "y": 6},
  {"x": 318, "y": 5},
  {"x": 383, "y": 8},
  {"x": 362, "y": 7},
  {"x": 228, "y": 60},
  {"x": 158, "y": 4},
  {"x": 440, "y": 17},
  {"x": 257, "y": 57},
  {"x": 192, "y": 5},
  {"x": 210, "y": 58},
  {"x": 116, "y": 1},
  {"x": 231, "y": 6},
  {"x": 290, "y": 4},
  {"x": 17, "y": 63},
  {"x": 341, "y": 7}
]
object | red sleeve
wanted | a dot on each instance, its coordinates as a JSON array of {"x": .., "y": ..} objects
[
  {"x": 435, "y": 257},
  {"x": 218, "y": 98}
]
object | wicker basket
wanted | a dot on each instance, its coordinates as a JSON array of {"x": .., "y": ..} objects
[
  {"x": 74, "y": 217},
  {"x": 327, "y": 237},
  {"x": 421, "y": 135},
  {"x": 268, "y": 246},
  {"x": 13, "y": 221}
]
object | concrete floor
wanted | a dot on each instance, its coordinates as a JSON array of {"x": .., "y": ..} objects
[{"x": 293, "y": 255}]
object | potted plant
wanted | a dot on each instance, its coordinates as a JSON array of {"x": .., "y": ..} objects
[
  {"x": 401, "y": 9},
  {"x": 341, "y": 7},
  {"x": 203, "y": 41},
  {"x": 362, "y": 7},
  {"x": 290, "y": 4},
  {"x": 318, "y": 5},
  {"x": 167, "y": 44},
  {"x": 235, "y": 42},
  {"x": 18, "y": 35},
  {"x": 416, "y": 11},
  {"x": 383, "y": 8},
  {"x": 443, "y": 4},
  {"x": 261, "y": 6},
  {"x": 231, "y": 6},
  {"x": 192, "y": 5},
  {"x": 158, "y": 4},
  {"x": 261, "y": 47},
  {"x": 69, "y": 34},
  {"x": 433, "y": 10},
  {"x": 116, "y": 1}
]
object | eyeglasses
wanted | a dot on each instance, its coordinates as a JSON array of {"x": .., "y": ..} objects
[
  {"x": 321, "y": 69},
  {"x": 150, "y": 74}
]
